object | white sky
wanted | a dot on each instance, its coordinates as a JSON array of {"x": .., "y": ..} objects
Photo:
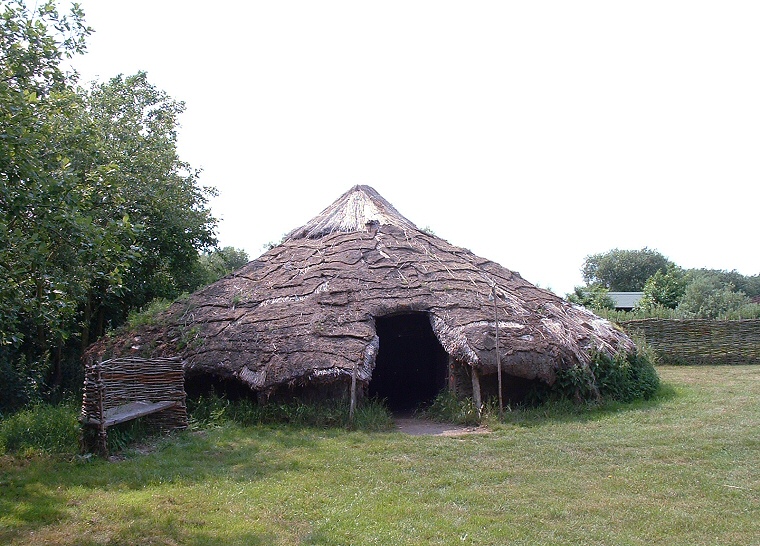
[{"x": 533, "y": 133}]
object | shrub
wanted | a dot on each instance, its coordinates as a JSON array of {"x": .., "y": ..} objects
[
  {"x": 625, "y": 377},
  {"x": 575, "y": 383}
]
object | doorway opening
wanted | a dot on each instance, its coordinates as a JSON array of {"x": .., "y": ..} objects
[{"x": 411, "y": 365}]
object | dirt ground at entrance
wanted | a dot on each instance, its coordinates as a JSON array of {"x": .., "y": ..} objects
[{"x": 424, "y": 427}]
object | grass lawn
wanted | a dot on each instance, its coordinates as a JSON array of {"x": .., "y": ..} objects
[{"x": 683, "y": 469}]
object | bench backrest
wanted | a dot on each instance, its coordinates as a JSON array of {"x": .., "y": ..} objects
[{"x": 120, "y": 381}]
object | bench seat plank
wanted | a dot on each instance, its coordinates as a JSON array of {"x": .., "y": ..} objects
[{"x": 127, "y": 412}]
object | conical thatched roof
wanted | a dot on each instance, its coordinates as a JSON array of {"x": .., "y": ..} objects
[{"x": 305, "y": 311}]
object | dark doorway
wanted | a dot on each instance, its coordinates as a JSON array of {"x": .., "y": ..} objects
[
  {"x": 203, "y": 384},
  {"x": 410, "y": 369}
]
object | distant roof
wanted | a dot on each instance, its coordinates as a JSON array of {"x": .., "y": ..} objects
[{"x": 626, "y": 300}]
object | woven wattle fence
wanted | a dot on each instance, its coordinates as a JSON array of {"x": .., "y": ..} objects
[
  {"x": 700, "y": 341},
  {"x": 122, "y": 389}
]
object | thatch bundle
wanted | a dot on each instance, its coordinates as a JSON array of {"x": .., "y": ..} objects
[{"x": 306, "y": 311}]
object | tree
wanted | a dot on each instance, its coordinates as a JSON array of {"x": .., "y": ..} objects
[
  {"x": 623, "y": 270},
  {"x": 707, "y": 296},
  {"x": 664, "y": 289},
  {"x": 98, "y": 214},
  {"x": 42, "y": 228},
  {"x": 40, "y": 222},
  {"x": 214, "y": 265},
  {"x": 750, "y": 285},
  {"x": 144, "y": 193},
  {"x": 592, "y": 297}
]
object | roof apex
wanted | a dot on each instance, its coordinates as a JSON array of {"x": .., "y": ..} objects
[{"x": 358, "y": 210}]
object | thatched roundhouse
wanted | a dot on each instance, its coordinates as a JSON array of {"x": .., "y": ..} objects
[{"x": 360, "y": 290}]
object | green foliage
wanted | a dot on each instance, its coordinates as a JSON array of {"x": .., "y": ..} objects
[
  {"x": 218, "y": 263},
  {"x": 708, "y": 296},
  {"x": 34, "y": 42},
  {"x": 669, "y": 291},
  {"x": 22, "y": 379},
  {"x": 42, "y": 227},
  {"x": 98, "y": 214},
  {"x": 664, "y": 289},
  {"x": 638, "y": 313},
  {"x": 41, "y": 428},
  {"x": 625, "y": 377},
  {"x": 574, "y": 383},
  {"x": 623, "y": 270},
  {"x": 749, "y": 285},
  {"x": 136, "y": 174},
  {"x": 745, "y": 311},
  {"x": 592, "y": 297},
  {"x": 622, "y": 378}
]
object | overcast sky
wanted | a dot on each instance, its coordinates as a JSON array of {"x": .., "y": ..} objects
[{"x": 533, "y": 133}]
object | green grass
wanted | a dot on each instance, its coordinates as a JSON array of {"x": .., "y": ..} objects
[{"x": 682, "y": 468}]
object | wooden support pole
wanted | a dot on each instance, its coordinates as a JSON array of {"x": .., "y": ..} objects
[
  {"x": 352, "y": 407},
  {"x": 476, "y": 399},
  {"x": 498, "y": 352}
]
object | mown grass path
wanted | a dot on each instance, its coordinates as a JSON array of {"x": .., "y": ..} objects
[{"x": 684, "y": 469}]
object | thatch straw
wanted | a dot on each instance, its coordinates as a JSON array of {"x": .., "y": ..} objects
[{"x": 361, "y": 209}]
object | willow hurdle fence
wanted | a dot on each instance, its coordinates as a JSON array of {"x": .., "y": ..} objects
[{"x": 700, "y": 341}]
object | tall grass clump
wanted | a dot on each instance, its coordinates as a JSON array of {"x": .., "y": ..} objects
[
  {"x": 148, "y": 314},
  {"x": 215, "y": 410},
  {"x": 372, "y": 415},
  {"x": 447, "y": 407},
  {"x": 123, "y": 435},
  {"x": 42, "y": 428}
]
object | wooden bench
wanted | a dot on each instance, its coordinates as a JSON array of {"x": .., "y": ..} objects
[{"x": 123, "y": 389}]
